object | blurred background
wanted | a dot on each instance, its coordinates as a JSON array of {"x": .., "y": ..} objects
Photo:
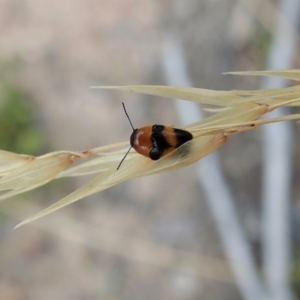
[{"x": 164, "y": 236}]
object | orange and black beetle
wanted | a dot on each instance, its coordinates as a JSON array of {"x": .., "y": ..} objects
[{"x": 156, "y": 141}]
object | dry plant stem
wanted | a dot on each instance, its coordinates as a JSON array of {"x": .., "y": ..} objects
[
  {"x": 219, "y": 199},
  {"x": 209, "y": 134},
  {"x": 277, "y": 170},
  {"x": 37, "y": 172}
]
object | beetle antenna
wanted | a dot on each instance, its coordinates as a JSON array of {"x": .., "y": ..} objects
[
  {"x": 132, "y": 129},
  {"x": 127, "y": 117},
  {"x": 123, "y": 159}
]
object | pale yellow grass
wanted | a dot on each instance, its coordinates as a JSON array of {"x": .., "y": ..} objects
[{"x": 240, "y": 111}]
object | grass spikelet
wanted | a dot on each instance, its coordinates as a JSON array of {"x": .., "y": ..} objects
[{"x": 240, "y": 111}]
